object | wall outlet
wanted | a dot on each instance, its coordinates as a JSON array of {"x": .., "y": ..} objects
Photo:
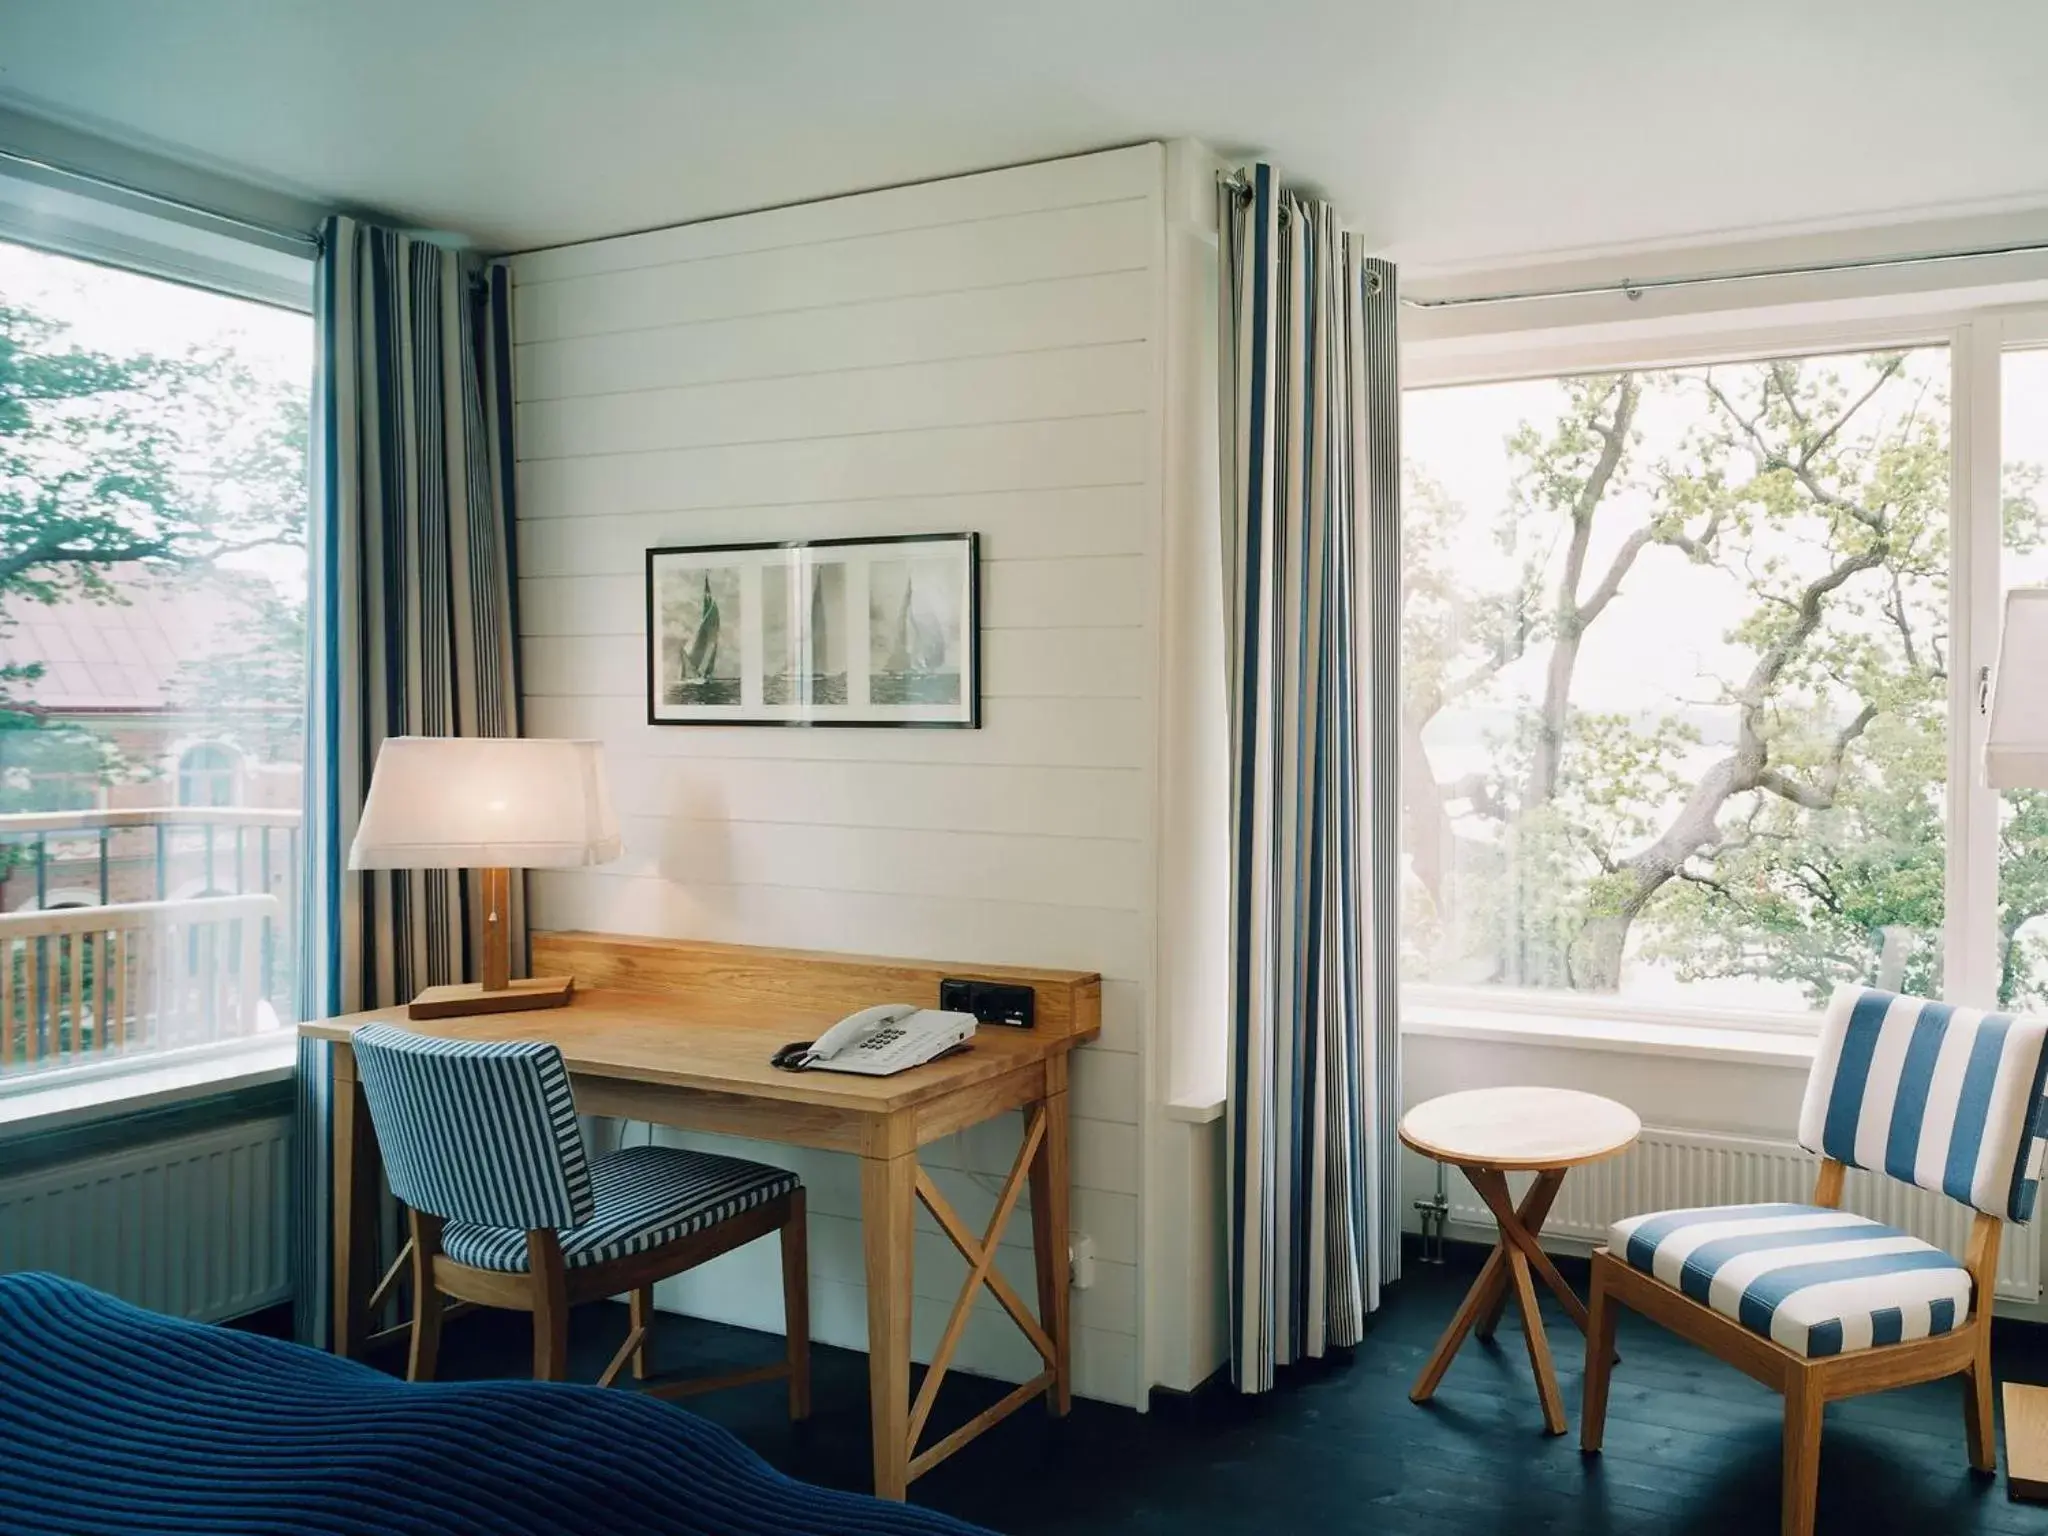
[
  {"x": 1081, "y": 1261},
  {"x": 991, "y": 1002}
]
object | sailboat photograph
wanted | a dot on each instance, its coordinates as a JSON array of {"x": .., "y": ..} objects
[
  {"x": 825, "y": 632},
  {"x": 914, "y": 612},
  {"x": 803, "y": 633},
  {"x": 699, "y": 613}
]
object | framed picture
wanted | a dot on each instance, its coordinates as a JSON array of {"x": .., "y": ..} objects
[{"x": 849, "y": 632}]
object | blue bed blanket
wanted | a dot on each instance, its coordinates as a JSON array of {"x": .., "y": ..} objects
[{"x": 116, "y": 1420}]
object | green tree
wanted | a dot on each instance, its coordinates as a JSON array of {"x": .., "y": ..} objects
[
  {"x": 1810, "y": 844},
  {"x": 117, "y": 466}
]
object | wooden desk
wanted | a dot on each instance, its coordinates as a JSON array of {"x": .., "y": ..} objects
[{"x": 679, "y": 1033}]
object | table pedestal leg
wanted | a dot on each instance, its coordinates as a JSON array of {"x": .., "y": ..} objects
[
  {"x": 1533, "y": 1335},
  {"x": 1516, "y": 1262},
  {"x": 1533, "y": 1212}
]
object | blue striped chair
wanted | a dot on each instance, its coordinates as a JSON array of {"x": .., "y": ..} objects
[
  {"x": 482, "y": 1144},
  {"x": 1820, "y": 1303}
]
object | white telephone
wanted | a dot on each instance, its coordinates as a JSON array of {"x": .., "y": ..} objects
[{"x": 881, "y": 1040}]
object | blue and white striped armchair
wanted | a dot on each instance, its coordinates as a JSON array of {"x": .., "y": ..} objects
[
  {"x": 1820, "y": 1303},
  {"x": 508, "y": 1209}
]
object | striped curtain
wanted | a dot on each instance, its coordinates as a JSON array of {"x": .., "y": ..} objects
[
  {"x": 411, "y": 625},
  {"x": 1311, "y": 565}
]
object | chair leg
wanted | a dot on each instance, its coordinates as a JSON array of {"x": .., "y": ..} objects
[
  {"x": 550, "y": 1344},
  {"x": 1803, "y": 1407},
  {"x": 426, "y": 1301},
  {"x": 1978, "y": 1423},
  {"x": 550, "y": 1306},
  {"x": 1602, "y": 1318},
  {"x": 640, "y": 1311},
  {"x": 796, "y": 1305}
]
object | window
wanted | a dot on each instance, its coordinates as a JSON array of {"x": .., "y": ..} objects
[
  {"x": 206, "y": 774},
  {"x": 2022, "y": 938},
  {"x": 153, "y": 504},
  {"x": 1677, "y": 672}
]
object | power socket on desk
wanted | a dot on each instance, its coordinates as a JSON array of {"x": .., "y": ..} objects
[{"x": 991, "y": 1002}]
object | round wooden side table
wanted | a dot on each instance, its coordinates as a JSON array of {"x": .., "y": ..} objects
[{"x": 1489, "y": 1133}]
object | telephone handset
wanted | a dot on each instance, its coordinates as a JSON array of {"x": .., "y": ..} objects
[{"x": 878, "y": 1041}]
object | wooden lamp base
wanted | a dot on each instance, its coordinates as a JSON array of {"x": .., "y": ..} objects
[
  {"x": 497, "y": 992},
  {"x": 474, "y": 997}
]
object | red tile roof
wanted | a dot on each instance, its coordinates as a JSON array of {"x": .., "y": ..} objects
[{"x": 126, "y": 655}]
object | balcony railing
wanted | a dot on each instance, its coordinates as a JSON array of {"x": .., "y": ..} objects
[{"x": 130, "y": 932}]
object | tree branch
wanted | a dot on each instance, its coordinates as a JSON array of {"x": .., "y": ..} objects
[
  {"x": 60, "y": 553},
  {"x": 1596, "y": 955},
  {"x": 1610, "y": 584},
  {"x": 1478, "y": 789},
  {"x": 1884, "y": 376},
  {"x": 1819, "y": 796}
]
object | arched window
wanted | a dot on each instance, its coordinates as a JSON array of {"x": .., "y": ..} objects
[{"x": 206, "y": 774}]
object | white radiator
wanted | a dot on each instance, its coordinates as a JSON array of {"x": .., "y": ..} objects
[
  {"x": 195, "y": 1226},
  {"x": 1667, "y": 1170}
]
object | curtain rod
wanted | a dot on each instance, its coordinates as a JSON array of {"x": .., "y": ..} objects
[
  {"x": 1634, "y": 289},
  {"x": 299, "y": 237}
]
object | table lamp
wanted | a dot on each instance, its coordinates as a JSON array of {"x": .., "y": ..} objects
[
  {"x": 494, "y": 803},
  {"x": 2016, "y": 737}
]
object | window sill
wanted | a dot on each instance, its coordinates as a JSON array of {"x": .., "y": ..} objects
[
  {"x": 1753, "y": 1047},
  {"x": 1195, "y": 1108},
  {"x": 67, "y": 1099}
]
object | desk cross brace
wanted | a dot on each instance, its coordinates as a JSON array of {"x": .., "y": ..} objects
[{"x": 980, "y": 1255}]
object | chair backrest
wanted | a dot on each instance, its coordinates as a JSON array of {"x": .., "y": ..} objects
[
  {"x": 1931, "y": 1094},
  {"x": 476, "y": 1131}
]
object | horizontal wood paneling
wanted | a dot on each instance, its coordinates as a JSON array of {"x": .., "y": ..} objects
[
  {"x": 980, "y": 256},
  {"x": 1072, "y": 732},
  {"x": 1018, "y": 663},
  {"x": 1038, "y": 455},
  {"x": 1019, "y": 386},
  {"x": 994, "y": 930},
  {"x": 930, "y": 797},
  {"x": 1111, "y": 177},
  {"x": 1092, "y": 311},
  {"x": 976, "y": 354},
  {"x": 1015, "y": 525},
  {"x": 965, "y": 866},
  {"x": 1092, "y": 592}
]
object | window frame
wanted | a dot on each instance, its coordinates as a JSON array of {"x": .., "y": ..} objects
[
  {"x": 60, "y": 216},
  {"x": 1977, "y": 337},
  {"x": 110, "y": 226}
]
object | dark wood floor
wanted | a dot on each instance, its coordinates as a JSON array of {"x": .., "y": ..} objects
[{"x": 1692, "y": 1447}]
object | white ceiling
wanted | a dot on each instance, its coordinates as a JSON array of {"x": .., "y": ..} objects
[{"x": 1455, "y": 132}]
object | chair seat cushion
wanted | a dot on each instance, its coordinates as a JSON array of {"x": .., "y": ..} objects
[
  {"x": 645, "y": 1197},
  {"x": 1817, "y": 1281}
]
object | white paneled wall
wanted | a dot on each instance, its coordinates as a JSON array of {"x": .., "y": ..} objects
[{"x": 982, "y": 353}]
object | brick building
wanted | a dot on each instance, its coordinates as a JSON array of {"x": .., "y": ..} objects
[{"x": 202, "y": 795}]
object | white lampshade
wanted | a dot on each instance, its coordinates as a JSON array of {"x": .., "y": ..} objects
[
  {"x": 445, "y": 802},
  {"x": 2016, "y": 742}
]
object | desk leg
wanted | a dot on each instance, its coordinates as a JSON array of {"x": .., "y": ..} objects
[
  {"x": 888, "y": 1193},
  {"x": 355, "y": 1203},
  {"x": 1049, "y": 1183}
]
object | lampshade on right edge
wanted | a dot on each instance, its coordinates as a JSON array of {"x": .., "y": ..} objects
[{"x": 2016, "y": 738}]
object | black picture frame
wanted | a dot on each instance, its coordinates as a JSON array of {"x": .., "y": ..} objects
[{"x": 703, "y": 669}]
